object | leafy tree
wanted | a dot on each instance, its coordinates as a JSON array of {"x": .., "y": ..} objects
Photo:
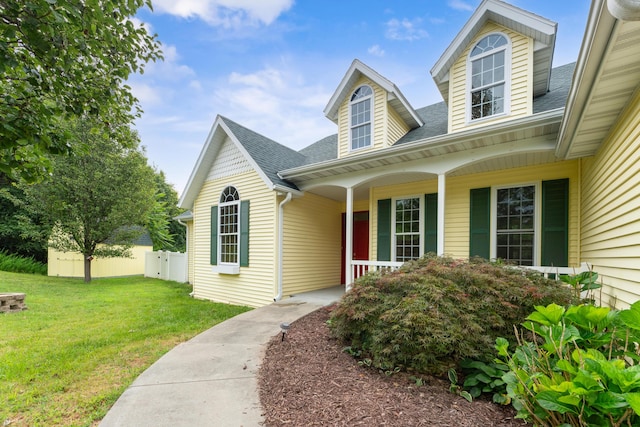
[
  {"x": 166, "y": 233},
  {"x": 60, "y": 59},
  {"x": 19, "y": 237},
  {"x": 95, "y": 198}
]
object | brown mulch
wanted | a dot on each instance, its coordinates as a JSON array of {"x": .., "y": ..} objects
[{"x": 307, "y": 380}]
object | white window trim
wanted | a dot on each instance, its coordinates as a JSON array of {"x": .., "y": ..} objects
[
  {"x": 372, "y": 97},
  {"x": 537, "y": 235},
  {"x": 507, "y": 79},
  {"x": 393, "y": 222},
  {"x": 232, "y": 268}
]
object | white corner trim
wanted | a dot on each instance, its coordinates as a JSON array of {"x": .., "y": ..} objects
[{"x": 625, "y": 10}]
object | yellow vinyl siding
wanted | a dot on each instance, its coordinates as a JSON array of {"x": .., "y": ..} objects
[
  {"x": 521, "y": 93},
  {"x": 418, "y": 188},
  {"x": 388, "y": 127},
  {"x": 611, "y": 210},
  {"x": 255, "y": 285},
  {"x": 71, "y": 264},
  {"x": 397, "y": 128},
  {"x": 457, "y": 201},
  {"x": 312, "y": 239}
]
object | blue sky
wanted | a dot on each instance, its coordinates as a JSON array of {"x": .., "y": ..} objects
[{"x": 272, "y": 65}]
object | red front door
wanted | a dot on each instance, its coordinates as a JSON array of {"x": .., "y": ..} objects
[{"x": 360, "y": 239}]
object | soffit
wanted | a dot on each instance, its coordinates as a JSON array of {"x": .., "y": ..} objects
[{"x": 599, "y": 104}]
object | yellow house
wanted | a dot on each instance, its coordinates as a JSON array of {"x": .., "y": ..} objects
[{"x": 521, "y": 161}]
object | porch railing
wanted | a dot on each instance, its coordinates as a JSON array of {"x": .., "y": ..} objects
[
  {"x": 547, "y": 271},
  {"x": 362, "y": 267}
]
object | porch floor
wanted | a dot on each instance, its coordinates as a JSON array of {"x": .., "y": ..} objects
[{"x": 326, "y": 296}]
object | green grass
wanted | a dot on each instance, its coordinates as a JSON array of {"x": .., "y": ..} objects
[{"x": 66, "y": 359}]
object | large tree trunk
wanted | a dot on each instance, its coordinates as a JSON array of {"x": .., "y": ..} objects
[{"x": 87, "y": 268}]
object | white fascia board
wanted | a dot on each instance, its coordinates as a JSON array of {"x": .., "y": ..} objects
[
  {"x": 247, "y": 156},
  {"x": 356, "y": 70},
  {"x": 196, "y": 179},
  {"x": 595, "y": 46},
  {"x": 483, "y": 13}
]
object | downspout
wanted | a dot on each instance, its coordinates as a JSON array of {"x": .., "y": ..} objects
[
  {"x": 281, "y": 242},
  {"x": 186, "y": 249}
]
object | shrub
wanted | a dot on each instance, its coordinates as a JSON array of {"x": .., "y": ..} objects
[
  {"x": 580, "y": 367},
  {"x": 434, "y": 312},
  {"x": 19, "y": 264}
]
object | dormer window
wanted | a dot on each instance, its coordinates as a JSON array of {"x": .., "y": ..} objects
[
  {"x": 360, "y": 111},
  {"x": 489, "y": 77}
]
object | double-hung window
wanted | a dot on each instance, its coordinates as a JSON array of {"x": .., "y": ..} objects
[
  {"x": 526, "y": 224},
  {"x": 407, "y": 228},
  {"x": 489, "y": 74},
  {"x": 516, "y": 224},
  {"x": 360, "y": 117}
]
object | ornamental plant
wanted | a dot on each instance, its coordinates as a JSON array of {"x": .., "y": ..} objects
[
  {"x": 579, "y": 367},
  {"x": 434, "y": 312}
]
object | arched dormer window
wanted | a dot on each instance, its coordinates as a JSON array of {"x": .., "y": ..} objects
[
  {"x": 360, "y": 117},
  {"x": 489, "y": 65}
]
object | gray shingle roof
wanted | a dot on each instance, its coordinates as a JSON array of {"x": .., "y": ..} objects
[
  {"x": 273, "y": 157},
  {"x": 325, "y": 149},
  {"x": 559, "y": 86},
  {"x": 270, "y": 156}
]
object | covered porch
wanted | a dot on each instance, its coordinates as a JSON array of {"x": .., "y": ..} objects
[{"x": 420, "y": 197}]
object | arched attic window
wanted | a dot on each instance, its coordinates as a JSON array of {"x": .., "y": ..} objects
[
  {"x": 360, "y": 117},
  {"x": 489, "y": 76}
]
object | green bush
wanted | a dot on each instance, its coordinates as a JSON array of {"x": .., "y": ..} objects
[
  {"x": 434, "y": 312},
  {"x": 580, "y": 367},
  {"x": 19, "y": 264}
]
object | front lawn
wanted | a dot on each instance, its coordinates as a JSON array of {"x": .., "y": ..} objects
[{"x": 66, "y": 359}]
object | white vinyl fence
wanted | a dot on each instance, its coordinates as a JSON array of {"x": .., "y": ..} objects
[{"x": 166, "y": 266}]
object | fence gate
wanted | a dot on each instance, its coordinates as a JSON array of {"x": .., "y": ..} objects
[{"x": 166, "y": 266}]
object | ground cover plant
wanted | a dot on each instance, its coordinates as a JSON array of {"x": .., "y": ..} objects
[
  {"x": 66, "y": 359},
  {"x": 20, "y": 264},
  {"x": 434, "y": 312}
]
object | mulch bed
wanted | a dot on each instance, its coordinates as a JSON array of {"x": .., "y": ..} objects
[{"x": 307, "y": 380}]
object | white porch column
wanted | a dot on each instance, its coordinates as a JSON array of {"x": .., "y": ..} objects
[
  {"x": 441, "y": 199},
  {"x": 348, "y": 239}
]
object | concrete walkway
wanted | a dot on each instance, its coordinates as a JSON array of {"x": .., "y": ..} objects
[{"x": 211, "y": 380}]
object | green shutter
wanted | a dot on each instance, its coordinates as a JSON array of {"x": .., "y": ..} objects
[
  {"x": 555, "y": 223},
  {"x": 214, "y": 236},
  {"x": 244, "y": 233},
  {"x": 384, "y": 230},
  {"x": 480, "y": 223},
  {"x": 431, "y": 223}
]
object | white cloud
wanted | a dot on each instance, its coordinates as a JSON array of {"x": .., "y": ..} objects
[
  {"x": 171, "y": 68},
  {"x": 146, "y": 94},
  {"x": 376, "y": 50},
  {"x": 277, "y": 103},
  {"x": 226, "y": 13},
  {"x": 405, "y": 29},
  {"x": 460, "y": 5}
]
